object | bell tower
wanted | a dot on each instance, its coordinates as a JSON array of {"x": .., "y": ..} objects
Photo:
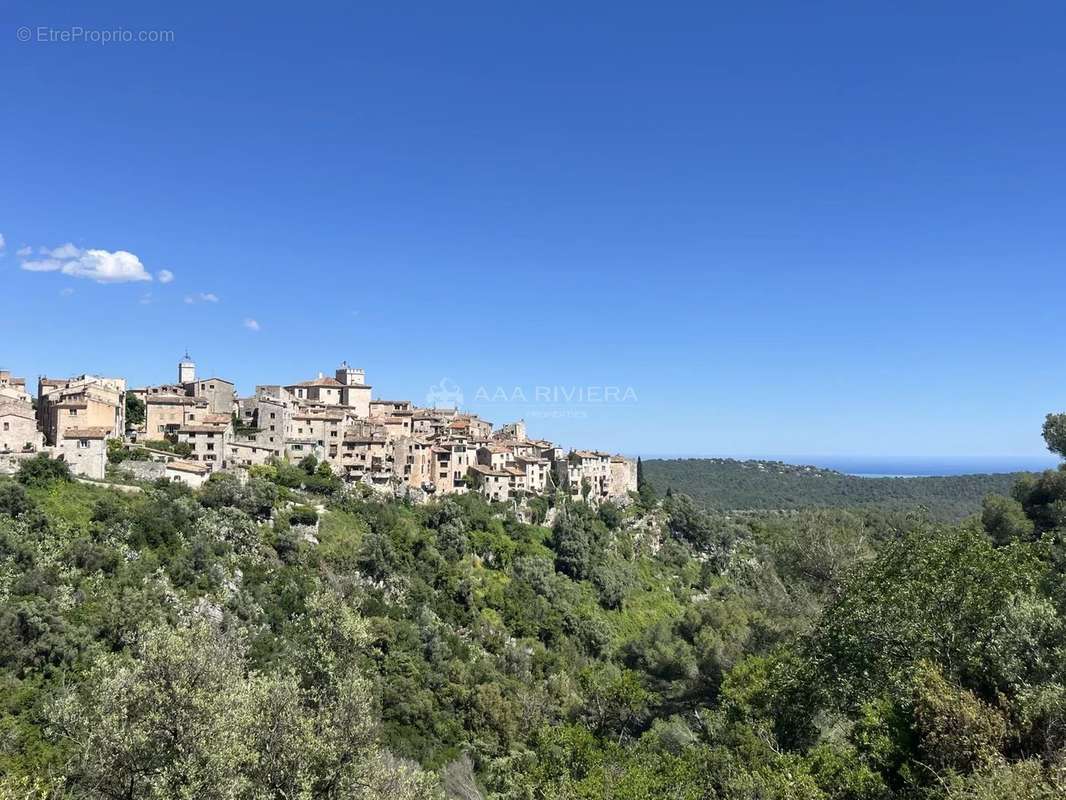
[{"x": 186, "y": 370}]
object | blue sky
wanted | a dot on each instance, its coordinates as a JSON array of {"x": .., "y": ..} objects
[{"x": 785, "y": 228}]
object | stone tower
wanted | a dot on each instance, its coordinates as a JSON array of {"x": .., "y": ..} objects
[
  {"x": 349, "y": 376},
  {"x": 186, "y": 370}
]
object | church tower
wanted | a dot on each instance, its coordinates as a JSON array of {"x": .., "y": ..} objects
[{"x": 186, "y": 370}]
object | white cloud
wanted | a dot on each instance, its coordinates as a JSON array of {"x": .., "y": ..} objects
[
  {"x": 64, "y": 251},
  {"x": 202, "y": 297},
  {"x": 66, "y": 292},
  {"x": 22, "y": 252},
  {"x": 2, "y": 242},
  {"x": 164, "y": 276},
  {"x": 45, "y": 265},
  {"x": 101, "y": 266},
  {"x": 146, "y": 299},
  {"x": 251, "y": 325}
]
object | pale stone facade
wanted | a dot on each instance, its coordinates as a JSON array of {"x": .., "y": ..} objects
[
  {"x": 324, "y": 390},
  {"x": 385, "y": 408},
  {"x": 208, "y": 442},
  {"x": 247, "y": 454},
  {"x": 623, "y": 477},
  {"x": 587, "y": 474},
  {"x": 439, "y": 451},
  {"x": 85, "y": 451},
  {"x": 18, "y": 427},
  {"x": 412, "y": 461},
  {"x": 12, "y": 388},
  {"x": 165, "y": 413},
  {"x": 188, "y": 472},
  {"x": 512, "y": 431},
  {"x": 367, "y": 458},
  {"x": 83, "y": 402},
  {"x": 451, "y": 463},
  {"x": 218, "y": 392}
]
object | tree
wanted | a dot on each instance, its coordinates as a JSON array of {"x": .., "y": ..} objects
[
  {"x": 1055, "y": 433},
  {"x": 13, "y": 499},
  {"x": 1003, "y": 518},
  {"x": 135, "y": 409},
  {"x": 948, "y": 597},
  {"x": 644, "y": 488},
  {"x": 578, "y": 541},
  {"x": 185, "y": 718},
  {"x": 42, "y": 471}
]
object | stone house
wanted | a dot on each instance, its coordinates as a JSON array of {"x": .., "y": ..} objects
[
  {"x": 85, "y": 451},
  {"x": 429, "y": 424},
  {"x": 623, "y": 477},
  {"x": 499, "y": 485},
  {"x": 273, "y": 418},
  {"x": 188, "y": 472},
  {"x": 480, "y": 429},
  {"x": 166, "y": 413},
  {"x": 397, "y": 425},
  {"x": 296, "y": 449},
  {"x": 495, "y": 456},
  {"x": 208, "y": 441},
  {"x": 324, "y": 427},
  {"x": 537, "y": 473},
  {"x": 412, "y": 461},
  {"x": 367, "y": 458},
  {"x": 218, "y": 392},
  {"x": 385, "y": 408},
  {"x": 586, "y": 468},
  {"x": 356, "y": 391},
  {"x": 492, "y": 484},
  {"x": 247, "y": 454},
  {"x": 12, "y": 388},
  {"x": 83, "y": 402},
  {"x": 451, "y": 462},
  {"x": 320, "y": 390},
  {"x": 18, "y": 427},
  {"x": 512, "y": 431}
]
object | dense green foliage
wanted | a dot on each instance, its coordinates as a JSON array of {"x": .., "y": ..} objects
[
  {"x": 289, "y": 637},
  {"x": 135, "y": 409},
  {"x": 727, "y": 485}
]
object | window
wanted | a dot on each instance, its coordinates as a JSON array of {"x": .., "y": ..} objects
[
  {"x": 7, "y": 426},
  {"x": 83, "y": 444},
  {"x": 210, "y": 446},
  {"x": 73, "y": 412}
]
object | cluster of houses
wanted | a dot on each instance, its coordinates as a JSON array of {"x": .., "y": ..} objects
[{"x": 387, "y": 444}]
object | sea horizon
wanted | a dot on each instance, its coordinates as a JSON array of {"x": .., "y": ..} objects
[{"x": 899, "y": 466}]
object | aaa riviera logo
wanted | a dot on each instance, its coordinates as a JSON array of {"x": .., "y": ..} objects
[{"x": 445, "y": 394}]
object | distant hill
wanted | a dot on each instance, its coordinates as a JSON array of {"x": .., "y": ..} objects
[{"x": 730, "y": 485}]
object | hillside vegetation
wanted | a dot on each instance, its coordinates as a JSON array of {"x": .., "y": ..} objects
[
  {"x": 292, "y": 637},
  {"x": 728, "y": 485}
]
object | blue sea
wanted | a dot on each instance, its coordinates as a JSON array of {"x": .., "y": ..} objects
[
  {"x": 921, "y": 467},
  {"x": 911, "y": 467}
]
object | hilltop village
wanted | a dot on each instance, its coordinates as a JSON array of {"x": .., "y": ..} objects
[{"x": 189, "y": 429}]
